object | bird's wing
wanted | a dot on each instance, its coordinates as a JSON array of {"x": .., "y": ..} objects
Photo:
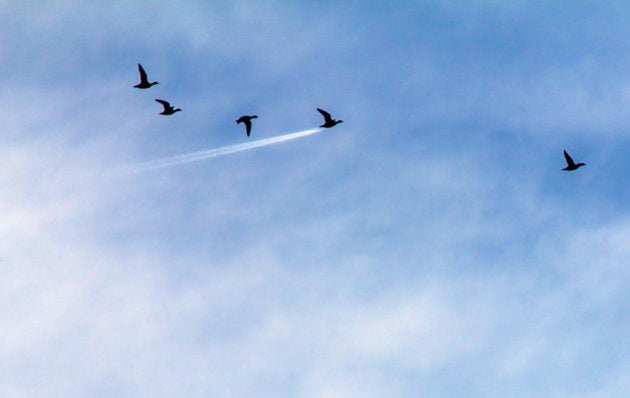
[
  {"x": 248, "y": 126},
  {"x": 166, "y": 104},
  {"x": 324, "y": 113},
  {"x": 570, "y": 161},
  {"x": 143, "y": 74}
]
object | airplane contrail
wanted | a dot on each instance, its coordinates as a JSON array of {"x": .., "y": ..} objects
[{"x": 224, "y": 150}]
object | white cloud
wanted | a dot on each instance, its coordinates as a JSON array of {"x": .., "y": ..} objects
[{"x": 372, "y": 270}]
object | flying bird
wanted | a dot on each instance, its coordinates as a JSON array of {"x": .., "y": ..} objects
[
  {"x": 571, "y": 165},
  {"x": 328, "y": 120},
  {"x": 247, "y": 120},
  {"x": 144, "y": 81},
  {"x": 168, "y": 109}
]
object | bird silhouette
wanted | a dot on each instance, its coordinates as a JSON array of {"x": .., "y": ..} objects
[
  {"x": 168, "y": 109},
  {"x": 328, "y": 120},
  {"x": 144, "y": 82},
  {"x": 247, "y": 120},
  {"x": 571, "y": 165}
]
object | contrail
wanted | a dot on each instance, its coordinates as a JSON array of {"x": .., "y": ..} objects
[{"x": 215, "y": 152}]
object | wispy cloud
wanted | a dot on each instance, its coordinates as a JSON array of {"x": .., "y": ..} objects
[
  {"x": 430, "y": 246},
  {"x": 221, "y": 151}
]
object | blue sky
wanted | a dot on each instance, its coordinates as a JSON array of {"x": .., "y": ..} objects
[{"x": 429, "y": 246}]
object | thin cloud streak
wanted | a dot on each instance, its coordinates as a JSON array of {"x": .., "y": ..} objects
[
  {"x": 439, "y": 252},
  {"x": 222, "y": 151}
]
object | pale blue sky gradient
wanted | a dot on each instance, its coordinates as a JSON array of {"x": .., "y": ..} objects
[{"x": 429, "y": 246}]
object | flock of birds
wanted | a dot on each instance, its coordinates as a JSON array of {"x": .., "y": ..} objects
[
  {"x": 245, "y": 119},
  {"x": 328, "y": 120}
]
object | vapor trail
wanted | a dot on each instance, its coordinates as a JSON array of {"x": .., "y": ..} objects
[{"x": 225, "y": 150}]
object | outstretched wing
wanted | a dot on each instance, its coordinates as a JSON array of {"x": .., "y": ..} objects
[
  {"x": 248, "y": 126},
  {"x": 166, "y": 104},
  {"x": 143, "y": 74},
  {"x": 568, "y": 158},
  {"x": 325, "y": 114}
]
